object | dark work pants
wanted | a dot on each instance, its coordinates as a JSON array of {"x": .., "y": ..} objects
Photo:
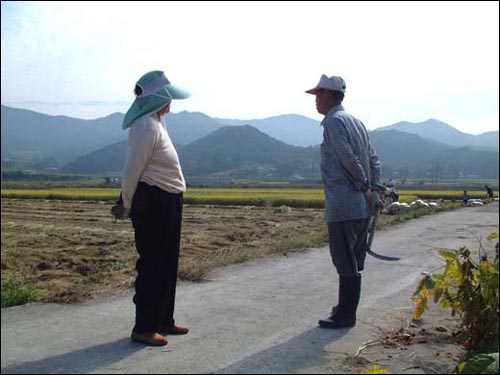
[
  {"x": 156, "y": 217},
  {"x": 347, "y": 241}
]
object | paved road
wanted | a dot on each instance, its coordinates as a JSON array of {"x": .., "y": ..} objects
[{"x": 258, "y": 317}]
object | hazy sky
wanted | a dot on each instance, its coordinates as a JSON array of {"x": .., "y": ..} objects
[{"x": 401, "y": 61}]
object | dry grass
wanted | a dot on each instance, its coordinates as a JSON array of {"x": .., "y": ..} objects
[
  {"x": 64, "y": 251},
  {"x": 69, "y": 250}
]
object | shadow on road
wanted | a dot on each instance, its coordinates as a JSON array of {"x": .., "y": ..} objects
[
  {"x": 292, "y": 356},
  {"x": 79, "y": 361}
]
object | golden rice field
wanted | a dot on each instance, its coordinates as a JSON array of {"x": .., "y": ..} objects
[
  {"x": 312, "y": 198},
  {"x": 446, "y": 194}
]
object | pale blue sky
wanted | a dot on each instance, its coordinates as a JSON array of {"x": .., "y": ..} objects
[{"x": 402, "y": 61}]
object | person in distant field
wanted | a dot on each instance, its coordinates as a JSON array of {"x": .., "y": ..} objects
[
  {"x": 465, "y": 197},
  {"x": 350, "y": 168},
  {"x": 152, "y": 195},
  {"x": 391, "y": 191},
  {"x": 489, "y": 191}
]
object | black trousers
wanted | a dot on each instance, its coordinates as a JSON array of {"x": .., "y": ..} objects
[
  {"x": 156, "y": 216},
  {"x": 347, "y": 241}
]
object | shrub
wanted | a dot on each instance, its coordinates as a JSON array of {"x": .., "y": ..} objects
[
  {"x": 15, "y": 293},
  {"x": 470, "y": 289}
]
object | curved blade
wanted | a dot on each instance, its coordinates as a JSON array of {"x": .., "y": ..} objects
[
  {"x": 371, "y": 235},
  {"x": 380, "y": 256}
]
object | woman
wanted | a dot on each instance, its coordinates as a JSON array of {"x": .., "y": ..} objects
[{"x": 152, "y": 190}]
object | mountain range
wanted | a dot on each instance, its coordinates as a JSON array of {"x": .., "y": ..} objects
[
  {"x": 229, "y": 151},
  {"x": 447, "y": 134},
  {"x": 30, "y": 138},
  {"x": 267, "y": 148},
  {"x": 294, "y": 130}
]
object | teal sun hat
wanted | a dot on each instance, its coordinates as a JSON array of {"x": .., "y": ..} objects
[{"x": 157, "y": 92}]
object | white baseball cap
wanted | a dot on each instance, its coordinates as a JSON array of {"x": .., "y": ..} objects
[{"x": 333, "y": 83}]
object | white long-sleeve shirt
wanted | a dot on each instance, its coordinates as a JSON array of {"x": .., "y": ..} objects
[{"x": 151, "y": 158}]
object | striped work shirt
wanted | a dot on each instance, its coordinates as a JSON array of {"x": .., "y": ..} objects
[{"x": 348, "y": 165}]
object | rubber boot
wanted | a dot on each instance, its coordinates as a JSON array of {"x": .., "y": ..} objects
[{"x": 349, "y": 294}]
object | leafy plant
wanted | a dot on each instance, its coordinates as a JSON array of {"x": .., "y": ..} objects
[
  {"x": 15, "y": 293},
  {"x": 480, "y": 364},
  {"x": 470, "y": 289}
]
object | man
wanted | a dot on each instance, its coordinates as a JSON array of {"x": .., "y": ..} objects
[
  {"x": 391, "y": 191},
  {"x": 489, "y": 191},
  {"x": 349, "y": 168},
  {"x": 465, "y": 197}
]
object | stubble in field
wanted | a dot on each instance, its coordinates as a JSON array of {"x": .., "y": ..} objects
[{"x": 69, "y": 250}]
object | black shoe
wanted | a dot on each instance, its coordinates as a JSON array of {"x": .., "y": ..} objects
[{"x": 336, "y": 321}]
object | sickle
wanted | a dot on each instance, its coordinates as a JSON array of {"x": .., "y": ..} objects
[{"x": 371, "y": 234}]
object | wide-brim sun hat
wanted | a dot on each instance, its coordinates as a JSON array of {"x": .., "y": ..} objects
[{"x": 157, "y": 93}]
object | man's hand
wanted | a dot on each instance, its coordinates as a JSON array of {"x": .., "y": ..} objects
[{"x": 373, "y": 198}]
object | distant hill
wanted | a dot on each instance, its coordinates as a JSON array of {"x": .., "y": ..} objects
[
  {"x": 244, "y": 151},
  {"x": 292, "y": 129},
  {"x": 233, "y": 150},
  {"x": 441, "y": 132},
  {"x": 35, "y": 140},
  {"x": 303, "y": 131},
  {"x": 235, "y": 147},
  {"x": 186, "y": 127},
  {"x": 410, "y": 155},
  {"x": 405, "y": 148},
  {"x": 29, "y": 136},
  {"x": 487, "y": 140},
  {"x": 471, "y": 162},
  {"x": 111, "y": 158}
]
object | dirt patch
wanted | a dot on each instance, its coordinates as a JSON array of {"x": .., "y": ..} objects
[{"x": 432, "y": 345}]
